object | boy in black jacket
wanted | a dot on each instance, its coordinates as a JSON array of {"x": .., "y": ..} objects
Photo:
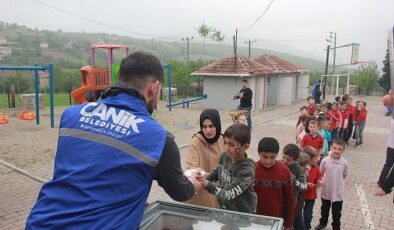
[
  {"x": 232, "y": 181},
  {"x": 291, "y": 153}
]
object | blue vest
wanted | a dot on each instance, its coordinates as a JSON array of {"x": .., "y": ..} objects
[{"x": 103, "y": 167}]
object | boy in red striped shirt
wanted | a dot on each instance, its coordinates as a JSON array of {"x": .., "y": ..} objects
[{"x": 312, "y": 138}]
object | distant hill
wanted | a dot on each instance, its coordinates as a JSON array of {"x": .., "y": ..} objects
[{"x": 71, "y": 50}]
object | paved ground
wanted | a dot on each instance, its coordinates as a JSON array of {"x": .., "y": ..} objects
[{"x": 361, "y": 209}]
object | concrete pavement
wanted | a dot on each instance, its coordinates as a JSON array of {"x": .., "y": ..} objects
[{"x": 361, "y": 209}]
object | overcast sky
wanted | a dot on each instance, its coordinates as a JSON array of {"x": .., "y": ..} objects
[{"x": 289, "y": 25}]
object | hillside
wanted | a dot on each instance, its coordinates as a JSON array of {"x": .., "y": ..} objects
[{"x": 71, "y": 50}]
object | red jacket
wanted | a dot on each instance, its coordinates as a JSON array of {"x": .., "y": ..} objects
[
  {"x": 311, "y": 110},
  {"x": 316, "y": 142},
  {"x": 275, "y": 192},
  {"x": 360, "y": 115},
  {"x": 350, "y": 109},
  {"x": 345, "y": 115},
  {"x": 313, "y": 175}
]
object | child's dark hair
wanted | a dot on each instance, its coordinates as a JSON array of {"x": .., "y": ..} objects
[
  {"x": 338, "y": 98},
  {"x": 338, "y": 142},
  {"x": 334, "y": 103},
  {"x": 304, "y": 118},
  {"x": 239, "y": 132},
  {"x": 268, "y": 145},
  {"x": 310, "y": 97},
  {"x": 292, "y": 151},
  {"x": 321, "y": 119},
  {"x": 344, "y": 98},
  {"x": 244, "y": 80},
  {"x": 312, "y": 152},
  {"x": 303, "y": 107},
  {"x": 329, "y": 105}
]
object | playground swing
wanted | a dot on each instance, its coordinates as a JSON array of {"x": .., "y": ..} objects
[
  {"x": 30, "y": 115},
  {"x": 185, "y": 102}
]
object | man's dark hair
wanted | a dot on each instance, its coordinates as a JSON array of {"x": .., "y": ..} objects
[
  {"x": 239, "y": 132},
  {"x": 244, "y": 80},
  {"x": 292, "y": 151},
  {"x": 338, "y": 142},
  {"x": 319, "y": 81},
  {"x": 140, "y": 67},
  {"x": 268, "y": 145}
]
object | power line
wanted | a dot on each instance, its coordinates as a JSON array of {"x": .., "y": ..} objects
[
  {"x": 101, "y": 23},
  {"x": 254, "y": 23}
]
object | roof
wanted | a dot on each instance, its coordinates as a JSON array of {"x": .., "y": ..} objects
[
  {"x": 277, "y": 64},
  {"x": 225, "y": 66}
]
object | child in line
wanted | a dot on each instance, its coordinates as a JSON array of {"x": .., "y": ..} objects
[
  {"x": 336, "y": 119},
  {"x": 314, "y": 181},
  {"x": 351, "y": 109},
  {"x": 303, "y": 111},
  {"x": 322, "y": 121},
  {"x": 360, "y": 118},
  {"x": 300, "y": 131},
  {"x": 291, "y": 153},
  {"x": 334, "y": 170},
  {"x": 311, "y": 106},
  {"x": 275, "y": 193},
  {"x": 235, "y": 173},
  {"x": 345, "y": 120},
  {"x": 312, "y": 138}
]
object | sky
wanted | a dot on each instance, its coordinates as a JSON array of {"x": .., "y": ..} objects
[{"x": 294, "y": 26}]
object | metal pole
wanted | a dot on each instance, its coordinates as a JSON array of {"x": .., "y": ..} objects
[
  {"x": 347, "y": 85},
  {"x": 36, "y": 92},
  {"x": 337, "y": 86},
  {"x": 51, "y": 102},
  {"x": 326, "y": 72},
  {"x": 249, "y": 48},
  {"x": 335, "y": 51},
  {"x": 169, "y": 86}
]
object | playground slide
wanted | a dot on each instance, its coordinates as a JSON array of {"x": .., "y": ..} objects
[{"x": 79, "y": 94}]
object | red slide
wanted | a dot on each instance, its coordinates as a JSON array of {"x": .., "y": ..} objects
[{"x": 79, "y": 94}]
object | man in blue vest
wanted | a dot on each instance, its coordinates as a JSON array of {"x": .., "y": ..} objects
[{"x": 108, "y": 154}]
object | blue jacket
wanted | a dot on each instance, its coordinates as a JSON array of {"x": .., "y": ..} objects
[{"x": 103, "y": 167}]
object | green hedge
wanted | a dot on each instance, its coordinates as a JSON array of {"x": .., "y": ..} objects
[{"x": 60, "y": 99}]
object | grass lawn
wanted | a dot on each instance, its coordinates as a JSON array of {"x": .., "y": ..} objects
[{"x": 60, "y": 99}]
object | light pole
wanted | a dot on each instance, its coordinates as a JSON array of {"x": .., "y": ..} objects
[
  {"x": 187, "y": 39},
  {"x": 250, "y": 42}
]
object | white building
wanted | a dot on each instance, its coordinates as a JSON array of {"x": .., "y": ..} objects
[{"x": 273, "y": 81}]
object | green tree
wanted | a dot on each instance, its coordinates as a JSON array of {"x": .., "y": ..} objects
[
  {"x": 366, "y": 77},
  {"x": 217, "y": 36},
  {"x": 204, "y": 31},
  {"x": 384, "y": 81}
]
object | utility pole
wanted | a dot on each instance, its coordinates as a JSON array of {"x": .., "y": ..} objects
[
  {"x": 250, "y": 44},
  {"x": 235, "y": 48},
  {"x": 187, "y": 39},
  {"x": 333, "y": 38},
  {"x": 326, "y": 72}
]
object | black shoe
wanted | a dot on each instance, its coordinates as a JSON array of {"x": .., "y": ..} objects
[{"x": 318, "y": 227}]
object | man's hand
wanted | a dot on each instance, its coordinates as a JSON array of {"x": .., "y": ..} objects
[
  {"x": 195, "y": 182},
  {"x": 202, "y": 180},
  {"x": 379, "y": 192}
]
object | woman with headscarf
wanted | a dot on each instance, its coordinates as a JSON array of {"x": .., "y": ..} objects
[{"x": 204, "y": 152}]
